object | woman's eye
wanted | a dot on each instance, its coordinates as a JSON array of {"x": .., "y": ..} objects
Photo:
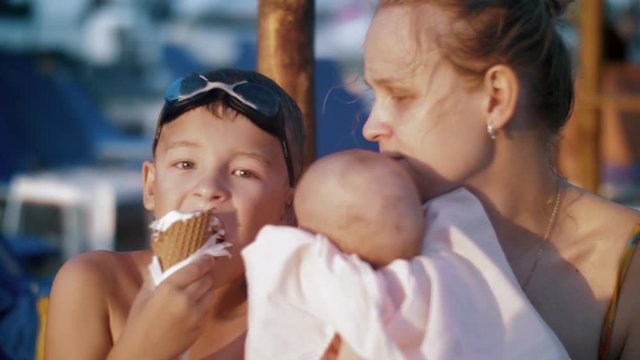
[
  {"x": 244, "y": 173},
  {"x": 400, "y": 97},
  {"x": 185, "y": 165}
]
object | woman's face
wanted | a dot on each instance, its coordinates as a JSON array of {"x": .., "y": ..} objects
[
  {"x": 227, "y": 164},
  {"x": 423, "y": 110}
]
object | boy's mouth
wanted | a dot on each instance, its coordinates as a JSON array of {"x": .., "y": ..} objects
[{"x": 217, "y": 230}]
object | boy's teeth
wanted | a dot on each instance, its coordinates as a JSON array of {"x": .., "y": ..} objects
[{"x": 220, "y": 237}]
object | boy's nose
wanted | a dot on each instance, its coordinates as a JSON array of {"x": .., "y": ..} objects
[
  {"x": 211, "y": 189},
  {"x": 375, "y": 129}
]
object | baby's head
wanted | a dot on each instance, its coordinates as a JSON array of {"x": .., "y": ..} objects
[{"x": 365, "y": 202}]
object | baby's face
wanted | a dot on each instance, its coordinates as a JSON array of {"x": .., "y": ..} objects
[{"x": 227, "y": 164}]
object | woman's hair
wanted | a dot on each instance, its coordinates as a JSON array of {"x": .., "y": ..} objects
[
  {"x": 216, "y": 103},
  {"x": 521, "y": 34}
]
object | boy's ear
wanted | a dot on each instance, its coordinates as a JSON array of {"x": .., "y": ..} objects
[
  {"x": 148, "y": 185},
  {"x": 289, "y": 215},
  {"x": 502, "y": 87}
]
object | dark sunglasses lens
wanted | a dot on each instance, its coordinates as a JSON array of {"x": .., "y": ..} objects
[
  {"x": 184, "y": 87},
  {"x": 263, "y": 98}
]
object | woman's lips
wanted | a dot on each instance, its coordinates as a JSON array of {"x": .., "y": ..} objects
[{"x": 393, "y": 155}]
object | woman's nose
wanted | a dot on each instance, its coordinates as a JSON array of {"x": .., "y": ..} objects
[{"x": 375, "y": 129}]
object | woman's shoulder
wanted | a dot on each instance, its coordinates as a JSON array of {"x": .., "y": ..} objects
[
  {"x": 608, "y": 229},
  {"x": 603, "y": 218}
]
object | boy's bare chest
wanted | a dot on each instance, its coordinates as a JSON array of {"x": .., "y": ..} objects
[
  {"x": 119, "y": 306},
  {"x": 221, "y": 341},
  {"x": 131, "y": 275}
]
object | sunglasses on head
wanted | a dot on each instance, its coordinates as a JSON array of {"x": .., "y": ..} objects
[{"x": 258, "y": 103}]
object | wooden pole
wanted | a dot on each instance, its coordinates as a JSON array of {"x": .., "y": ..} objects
[
  {"x": 285, "y": 54},
  {"x": 588, "y": 92}
]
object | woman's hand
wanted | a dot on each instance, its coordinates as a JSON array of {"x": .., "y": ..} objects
[{"x": 163, "y": 322}]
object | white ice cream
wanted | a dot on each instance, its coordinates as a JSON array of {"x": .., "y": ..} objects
[{"x": 171, "y": 217}]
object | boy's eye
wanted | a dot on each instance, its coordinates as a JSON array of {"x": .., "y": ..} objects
[
  {"x": 244, "y": 173},
  {"x": 185, "y": 165}
]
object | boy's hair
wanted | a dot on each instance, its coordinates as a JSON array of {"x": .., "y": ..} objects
[{"x": 291, "y": 116}]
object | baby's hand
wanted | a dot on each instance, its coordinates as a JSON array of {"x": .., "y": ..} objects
[{"x": 165, "y": 321}]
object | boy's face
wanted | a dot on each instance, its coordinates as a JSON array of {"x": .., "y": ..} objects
[{"x": 227, "y": 164}]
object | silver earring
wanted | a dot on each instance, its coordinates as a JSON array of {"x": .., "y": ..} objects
[{"x": 493, "y": 134}]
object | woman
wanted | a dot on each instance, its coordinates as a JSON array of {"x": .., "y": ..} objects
[
  {"x": 474, "y": 93},
  {"x": 230, "y": 141}
]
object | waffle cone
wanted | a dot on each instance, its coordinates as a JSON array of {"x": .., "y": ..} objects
[{"x": 182, "y": 239}]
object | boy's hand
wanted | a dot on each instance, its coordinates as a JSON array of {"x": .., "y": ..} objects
[{"x": 165, "y": 321}]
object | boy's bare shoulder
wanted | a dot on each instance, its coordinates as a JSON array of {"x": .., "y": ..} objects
[
  {"x": 94, "y": 289},
  {"x": 102, "y": 271}
]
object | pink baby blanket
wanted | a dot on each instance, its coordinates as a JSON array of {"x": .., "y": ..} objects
[{"x": 460, "y": 300}]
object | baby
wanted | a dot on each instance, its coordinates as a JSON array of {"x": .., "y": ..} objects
[
  {"x": 372, "y": 274},
  {"x": 365, "y": 203}
]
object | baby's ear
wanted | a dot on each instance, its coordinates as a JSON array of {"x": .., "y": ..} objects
[{"x": 148, "y": 185}]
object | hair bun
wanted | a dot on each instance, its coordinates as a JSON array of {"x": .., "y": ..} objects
[{"x": 556, "y": 7}]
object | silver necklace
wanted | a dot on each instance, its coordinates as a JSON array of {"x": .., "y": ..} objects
[{"x": 545, "y": 240}]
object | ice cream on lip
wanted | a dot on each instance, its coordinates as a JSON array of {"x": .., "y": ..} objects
[
  {"x": 178, "y": 235},
  {"x": 173, "y": 216}
]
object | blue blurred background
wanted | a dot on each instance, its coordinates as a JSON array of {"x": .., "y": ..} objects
[{"x": 81, "y": 84}]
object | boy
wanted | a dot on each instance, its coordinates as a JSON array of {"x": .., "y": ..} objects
[{"x": 229, "y": 141}]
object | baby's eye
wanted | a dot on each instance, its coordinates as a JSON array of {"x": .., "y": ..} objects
[
  {"x": 185, "y": 165},
  {"x": 244, "y": 173}
]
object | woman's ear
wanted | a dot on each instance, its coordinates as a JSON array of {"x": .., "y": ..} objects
[
  {"x": 502, "y": 87},
  {"x": 148, "y": 185}
]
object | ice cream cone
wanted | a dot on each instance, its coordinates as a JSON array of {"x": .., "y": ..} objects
[{"x": 183, "y": 237}]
